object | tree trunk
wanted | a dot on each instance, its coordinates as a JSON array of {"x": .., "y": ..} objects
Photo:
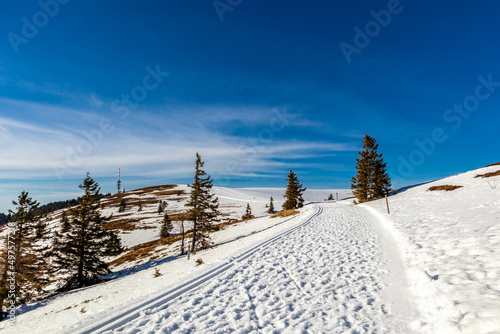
[
  {"x": 193, "y": 246},
  {"x": 182, "y": 240},
  {"x": 80, "y": 268}
]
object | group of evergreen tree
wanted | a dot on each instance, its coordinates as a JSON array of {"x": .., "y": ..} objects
[
  {"x": 23, "y": 258},
  {"x": 76, "y": 252},
  {"x": 372, "y": 180},
  {"x": 5, "y": 218},
  {"x": 49, "y": 207},
  {"x": 78, "y": 249}
]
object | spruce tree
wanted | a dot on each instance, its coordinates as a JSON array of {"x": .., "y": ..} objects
[
  {"x": 166, "y": 227},
  {"x": 65, "y": 225},
  {"x": 161, "y": 206},
  {"x": 381, "y": 182},
  {"x": 79, "y": 253},
  {"x": 371, "y": 180},
  {"x": 330, "y": 197},
  {"x": 204, "y": 207},
  {"x": 271, "y": 206},
  {"x": 23, "y": 258},
  {"x": 181, "y": 225},
  {"x": 293, "y": 193},
  {"x": 123, "y": 205},
  {"x": 248, "y": 213}
]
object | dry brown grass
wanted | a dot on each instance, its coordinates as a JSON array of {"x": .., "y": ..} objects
[
  {"x": 122, "y": 224},
  {"x": 445, "y": 187},
  {"x": 497, "y": 173},
  {"x": 285, "y": 213},
  {"x": 151, "y": 195},
  {"x": 495, "y": 164},
  {"x": 177, "y": 217},
  {"x": 146, "y": 250}
]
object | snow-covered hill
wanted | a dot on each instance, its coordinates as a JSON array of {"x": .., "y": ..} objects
[
  {"x": 139, "y": 232},
  {"x": 431, "y": 266},
  {"x": 450, "y": 243}
]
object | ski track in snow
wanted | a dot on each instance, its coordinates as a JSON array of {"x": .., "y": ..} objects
[{"x": 327, "y": 276}]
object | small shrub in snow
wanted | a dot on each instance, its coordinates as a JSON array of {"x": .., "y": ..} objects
[
  {"x": 285, "y": 213},
  {"x": 497, "y": 173},
  {"x": 157, "y": 273},
  {"x": 445, "y": 187},
  {"x": 199, "y": 262}
]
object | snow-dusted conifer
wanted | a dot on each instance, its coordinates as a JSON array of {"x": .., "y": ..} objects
[
  {"x": 166, "y": 227},
  {"x": 371, "y": 180},
  {"x": 204, "y": 206},
  {"x": 248, "y": 213},
  {"x": 271, "y": 206},
  {"x": 293, "y": 193},
  {"x": 23, "y": 258},
  {"x": 123, "y": 205},
  {"x": 78, "y": 253}
]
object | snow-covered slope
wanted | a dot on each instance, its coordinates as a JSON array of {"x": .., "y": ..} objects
[
  {"x": 450, "y": 241},
  {"x": 138, "y": 229},
  {"x": 437, "y": 251}
]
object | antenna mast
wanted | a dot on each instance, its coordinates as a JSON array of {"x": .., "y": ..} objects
[{"x": 119, "y": 183}]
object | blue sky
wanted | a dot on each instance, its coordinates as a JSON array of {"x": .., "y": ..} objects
[{"x": 256, "y": 87}]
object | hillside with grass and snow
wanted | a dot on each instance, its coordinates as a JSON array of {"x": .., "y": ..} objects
[{"x": 430, "y": 266}]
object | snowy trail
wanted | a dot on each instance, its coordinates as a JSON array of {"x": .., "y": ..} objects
[
  {"x": 133, "y": 312},
  {"x": 328, "y": 275}
]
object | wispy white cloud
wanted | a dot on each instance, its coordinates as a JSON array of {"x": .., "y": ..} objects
[{"x": 37, "y": 150}]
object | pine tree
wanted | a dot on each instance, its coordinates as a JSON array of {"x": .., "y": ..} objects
[
  {"x": 182, "y": 236},
  {"x": 161, "y": 206},
  {"x": 293, "y": 193},
  {"x": 123, "y": 205},
  {"x": 23, "y": 258},
  {"x": 381, "y": 182},
  {"x": 65, "y": 225},
  {"x": 166, "y": 227},
  {"x": 330, "y": 197},
  {"x": 78, "y": 253},
  {"x": 248, "y": 213},
  {"x": 371, "y": 180},
  {"x": 271, "y": 206},
  {"x": 204, "y": 207}
]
